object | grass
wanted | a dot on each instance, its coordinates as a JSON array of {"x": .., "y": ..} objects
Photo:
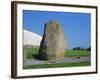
[
  {"x": 77, "y": 53},
  {"x": 32, "y": 52},
  {"x": 66, "y": 64}
]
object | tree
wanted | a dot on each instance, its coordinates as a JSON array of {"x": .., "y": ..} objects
[
  {"x": 77, "y": 48},
  {"x": 88, "y": 49}
]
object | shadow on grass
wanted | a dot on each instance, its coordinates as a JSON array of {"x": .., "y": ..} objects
[{"x": 36, "y": 56}]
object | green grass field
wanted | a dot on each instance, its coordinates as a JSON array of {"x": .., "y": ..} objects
[
  {"x": 66, "y": 64},
  {"x": 31, "y": 52},
  {"x": 72, "y": 53}
]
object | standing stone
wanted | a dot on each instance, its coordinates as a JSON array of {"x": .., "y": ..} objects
[{"x": 53, "y": 43}]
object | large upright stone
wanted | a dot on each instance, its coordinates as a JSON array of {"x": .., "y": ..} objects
[{"x": 53, "y": 43}]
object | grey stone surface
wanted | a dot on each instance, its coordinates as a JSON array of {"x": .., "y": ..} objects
[{"x": 53, "y": 43}]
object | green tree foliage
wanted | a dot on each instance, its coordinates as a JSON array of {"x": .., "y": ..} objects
[{"x": 79, "y": 48}]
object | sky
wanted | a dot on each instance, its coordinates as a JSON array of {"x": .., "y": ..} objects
[{"x": 76, "y": 26}]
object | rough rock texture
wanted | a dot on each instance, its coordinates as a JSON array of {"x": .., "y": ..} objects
[{"x": 53, "y": 43}]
